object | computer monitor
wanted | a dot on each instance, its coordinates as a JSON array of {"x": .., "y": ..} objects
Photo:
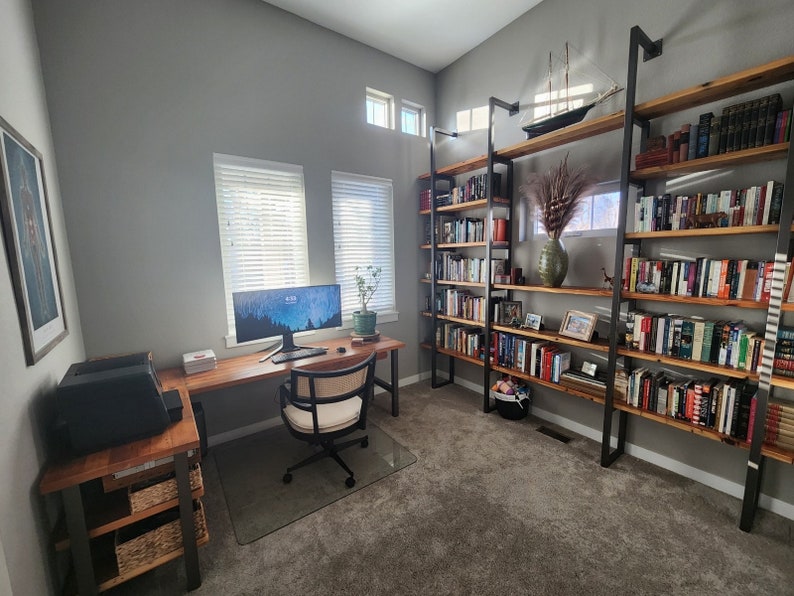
[{"x": 259, "y": 314}]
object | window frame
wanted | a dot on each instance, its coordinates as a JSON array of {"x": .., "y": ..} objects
[
  {"x": 383, "y": 99},
  {"x": 286, "y": 183},
  {"x": 421, "y": 118},
  {"x": 345, "y": 258}
]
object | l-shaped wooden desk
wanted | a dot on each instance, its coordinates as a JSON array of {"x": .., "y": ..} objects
[
  {"x": 178, "y": 441},
  {"x": 248, "y": 369}
]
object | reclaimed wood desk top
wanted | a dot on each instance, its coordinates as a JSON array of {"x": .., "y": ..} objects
[{"x": 248, "y": 369}]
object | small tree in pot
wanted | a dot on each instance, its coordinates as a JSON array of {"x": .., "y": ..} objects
[{"x": 367, "y": 283}]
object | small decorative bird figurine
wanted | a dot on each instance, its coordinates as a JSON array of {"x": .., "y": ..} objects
[{"x": 608, "y": 281}]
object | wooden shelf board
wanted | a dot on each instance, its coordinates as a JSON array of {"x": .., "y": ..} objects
[
  {"x": 556, "y": 386},
  {"x": 498, "y": 245},
  {"x": 787, "y": 306},
  {"x": 569, "y": 134},
  {"x": 107, "y": 571},
  {"x": 693, "y": 232},
  {"x": 783, "y": 382},
  {"x": 703, "y": 431},
  {"x": 695, "y": 300},
  {"x": 571, "y": 290},
  {"x": 744, "y": 81},
  {"x": 601, "y": 345},
  {"x": 446, "y": 282},
  {"x": 111, "y": 514},
  {"x": 724, "y": 160},
  {"x": 462, "y": 320},
  {"x": 704, "y": 367},
  {"x": 778, "y": 453},
  {"x": 454, "y": 354},
  {"x": 466, "y": 206}
]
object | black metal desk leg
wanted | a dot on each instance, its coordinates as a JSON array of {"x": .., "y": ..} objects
[
  {"x": 395, "y": 386},
  {"x": 186, "y": 519},
  {"x": 78, "y": 540}
]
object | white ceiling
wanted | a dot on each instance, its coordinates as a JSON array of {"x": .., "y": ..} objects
[{"x": 430, "y": 34}]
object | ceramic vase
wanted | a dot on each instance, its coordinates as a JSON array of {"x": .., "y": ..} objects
[{"x": 553, "y": 263}]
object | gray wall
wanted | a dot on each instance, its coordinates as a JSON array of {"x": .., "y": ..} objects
[
  {"x": 702, "y": 40},
  {"x": 26, "y": 394},
  {"x": 141, "y": 95}
]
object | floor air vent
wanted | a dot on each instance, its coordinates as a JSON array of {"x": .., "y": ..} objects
[{"x": 553, "y": 434}]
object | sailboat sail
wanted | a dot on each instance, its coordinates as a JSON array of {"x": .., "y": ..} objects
[{"x": 572, "y": 87}]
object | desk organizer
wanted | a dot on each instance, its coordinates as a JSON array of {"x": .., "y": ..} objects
[
  {"x": 147, "y": 494},
  {"x": 148, "y": 540}
]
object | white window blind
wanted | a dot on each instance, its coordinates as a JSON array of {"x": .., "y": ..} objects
[
  {"x": 363, "y": 235},
  {"x": 262, "y": 223}
]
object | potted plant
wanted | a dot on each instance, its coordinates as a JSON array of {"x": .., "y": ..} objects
[
  {"x": 557, "y": 196},
  {"x": 367, "y": 283}
]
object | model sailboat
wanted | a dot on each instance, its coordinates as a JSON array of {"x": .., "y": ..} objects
[{"x": 575, "y": 94}]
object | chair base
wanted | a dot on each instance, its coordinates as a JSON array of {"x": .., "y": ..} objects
[{"x": 330, "y": 449}]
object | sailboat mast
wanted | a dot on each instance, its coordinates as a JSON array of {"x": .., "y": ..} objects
[
  {"x": 550, "y": 75},
  {"x": 567, "y": 93}
]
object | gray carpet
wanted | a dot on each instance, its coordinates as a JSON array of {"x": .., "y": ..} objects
[
  {"x": 251, "y": 471},
  {"x": 494, "y": 507}
]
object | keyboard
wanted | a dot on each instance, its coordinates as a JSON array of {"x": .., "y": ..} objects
[{"x": 297, "y": 354}]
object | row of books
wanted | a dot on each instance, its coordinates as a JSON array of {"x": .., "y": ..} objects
[
  {"x": 466, "y": 229},
  {"x": 452, "y": 266},
  {"x": 475, "y": 188},
  {"x": 461, "y": 303},
  {"x": 538, "y": 358},
  {"x": 741, "y": 126},
  {"x": 724, "y": 343},
  {"x": 755, "y": 205},
  {"x": 461, "y": 338},
  {"x": 721, "y": 405},
  {"x": 783, "y": 363},
  {"x": 729, "y": 279},
  {"x": 779, "y": 424},
  {"x": 455, "y": 267}
]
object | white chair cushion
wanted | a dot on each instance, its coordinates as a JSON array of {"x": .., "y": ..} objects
[{"x": 330, "y": 417}]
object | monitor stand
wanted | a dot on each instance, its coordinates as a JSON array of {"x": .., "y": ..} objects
[{"x": 287, "y": 345}]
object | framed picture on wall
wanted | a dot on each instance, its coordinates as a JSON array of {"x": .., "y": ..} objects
[{"x": 27, "y": 236}]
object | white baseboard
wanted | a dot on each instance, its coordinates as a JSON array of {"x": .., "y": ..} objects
[{"x": 733, "y": 489}]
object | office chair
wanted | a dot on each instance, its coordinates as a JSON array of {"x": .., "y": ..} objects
[{"x": 321, "y": 406}]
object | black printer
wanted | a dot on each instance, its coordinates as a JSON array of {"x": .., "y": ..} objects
[{"x": 111, "y": 401}]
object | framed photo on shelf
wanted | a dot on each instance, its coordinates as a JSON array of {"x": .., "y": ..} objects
[
  {"x": 533, "y": 321},
  {"x": 27, "y": 235},
  {"x": 510, "y": 312},
  {"x": 579, "y": 325}
]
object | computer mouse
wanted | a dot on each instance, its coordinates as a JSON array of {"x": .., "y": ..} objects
[{"x": 341, "y": 349}]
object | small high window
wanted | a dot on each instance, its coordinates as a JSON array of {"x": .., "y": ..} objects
[
  {"x": 380, "y": 108},
  {"x": 412, "y": 117}
]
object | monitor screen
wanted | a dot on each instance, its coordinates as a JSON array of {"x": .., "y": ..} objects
[{"x": 259, "y": 314}]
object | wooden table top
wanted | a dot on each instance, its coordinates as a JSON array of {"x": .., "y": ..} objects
[{"x": 247, "y": 368}]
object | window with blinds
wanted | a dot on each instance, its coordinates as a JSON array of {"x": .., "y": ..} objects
[
  {"x": 363, "y": 235},
  {"x": 262, "y": 223}
]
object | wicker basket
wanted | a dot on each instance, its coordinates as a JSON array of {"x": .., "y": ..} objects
[
  {"x": 144, "y": 495},
  {"x": 135, "y": 549}
]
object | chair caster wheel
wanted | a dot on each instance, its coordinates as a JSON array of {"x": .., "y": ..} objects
[
  {"x": 350, "y": 482},
  {"x": 287, "y": 478},
  {"x": 365, "y": 443}
]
